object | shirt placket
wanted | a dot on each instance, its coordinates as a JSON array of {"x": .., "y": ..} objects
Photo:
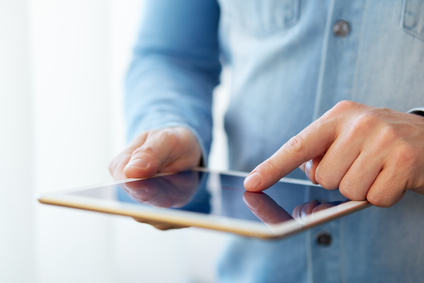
[
  {"x": 336, "y": 82},
  {"x": 339, "y": 55}
]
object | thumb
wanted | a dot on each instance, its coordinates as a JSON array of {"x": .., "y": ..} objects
[
  {"x": 143, "y": 162},
  {"x": 166, "y": 150}
]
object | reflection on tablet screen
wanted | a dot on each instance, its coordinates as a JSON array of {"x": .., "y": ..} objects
[{"x": 222, "y": 195}]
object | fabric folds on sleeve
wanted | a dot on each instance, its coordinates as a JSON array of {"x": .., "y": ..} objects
[{"x": 174, "y": 69}]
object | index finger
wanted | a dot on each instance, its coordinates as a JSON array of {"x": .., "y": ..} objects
[{"x": 313, "y": 141}]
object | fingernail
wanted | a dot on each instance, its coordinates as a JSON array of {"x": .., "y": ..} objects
[
  {"x": 252, "y": 181},
  {"x": 308, "y": 167},
  {"x": 137, "y": 163}
]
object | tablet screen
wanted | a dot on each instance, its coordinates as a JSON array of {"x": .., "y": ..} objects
[{"x": 221, "y": 195}]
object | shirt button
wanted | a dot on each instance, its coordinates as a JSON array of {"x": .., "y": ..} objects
[
  {"x": 324, "y": 239},
  {"x": 341, "y": 28}
]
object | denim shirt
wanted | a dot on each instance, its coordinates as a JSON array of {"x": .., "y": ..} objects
[{"x": 290, "y": 61}]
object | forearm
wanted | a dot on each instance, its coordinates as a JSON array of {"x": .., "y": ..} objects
[
  {"x": 164, "y": 92},
  {"x": 174, "y": 69}
]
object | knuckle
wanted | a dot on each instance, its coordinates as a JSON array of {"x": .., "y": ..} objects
[
  {"x": 296, "y": 144},
  {"x": 343, "y": 106},
  {"x": 167, "y": 136},
  {"x": 324, "y": 180},
  {"x": 366, "y": 120},
  {"x": 406, "y": 156},
  {"x": 139, "y": 139},
  {"x": 371, "y": 123},
  {"x": 147, "y": 153},
  {"x": 389, "y": 133},
  {"x": 347, "y": 192},
  {"x": 340, "y": 109},
  {"x": 377, "y": 199},
  {"x": 142, "y": 150}
]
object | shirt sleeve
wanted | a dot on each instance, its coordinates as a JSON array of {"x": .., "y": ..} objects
[
  {"x": 418, "y": 111},
  {"x": 174, "y": 69}
]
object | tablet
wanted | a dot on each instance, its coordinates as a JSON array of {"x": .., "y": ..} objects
[{"x": 213, "y": 200}]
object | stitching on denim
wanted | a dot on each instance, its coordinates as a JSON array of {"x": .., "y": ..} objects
[
  {"x": 278, "y": 28},
  {"x": 406, "y": 29}
]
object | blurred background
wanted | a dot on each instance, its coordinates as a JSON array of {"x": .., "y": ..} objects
[{"x": 62, "y": 65}]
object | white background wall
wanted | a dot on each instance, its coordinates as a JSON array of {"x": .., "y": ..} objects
[{"x": 61, "y": 70}]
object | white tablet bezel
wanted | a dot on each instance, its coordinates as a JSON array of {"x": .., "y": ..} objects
[{"x": 206, "y": 221}]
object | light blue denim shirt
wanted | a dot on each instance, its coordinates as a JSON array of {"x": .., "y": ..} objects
[{"x": 290, "y": 61}]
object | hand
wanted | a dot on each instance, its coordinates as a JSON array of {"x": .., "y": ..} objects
[
  {"x": 164, "y": 150},
  {"x": 368, "y": 153}
]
